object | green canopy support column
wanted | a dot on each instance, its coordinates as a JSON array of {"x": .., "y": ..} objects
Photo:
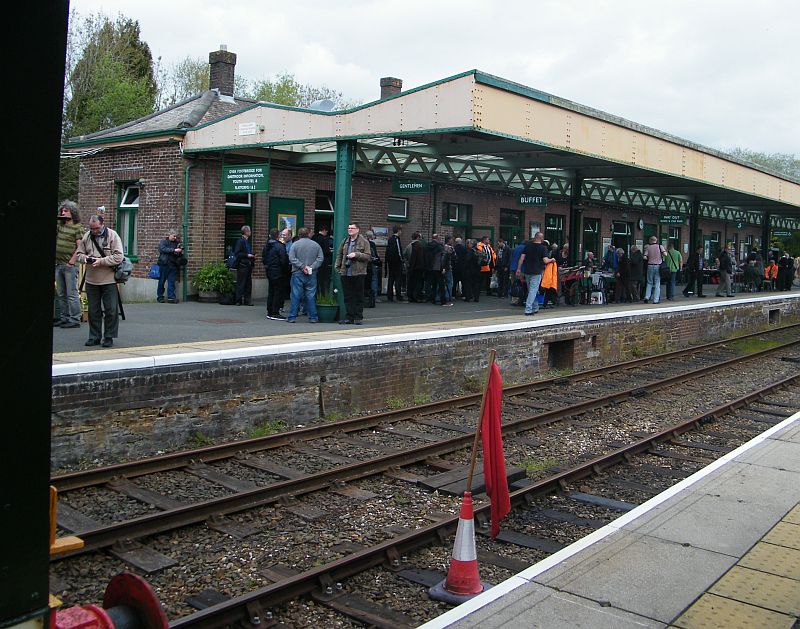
[
  {"x": 765, "y": 233},
  {"x": 694, "y": 225},
  {"x": 575, "y": 220},
  {"x": 345, "y": 165}
]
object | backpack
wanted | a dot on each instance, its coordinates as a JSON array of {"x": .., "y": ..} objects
[{"x": 123, "y": 270}]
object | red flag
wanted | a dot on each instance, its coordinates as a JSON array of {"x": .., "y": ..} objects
[{"x": 494, "y": 463}]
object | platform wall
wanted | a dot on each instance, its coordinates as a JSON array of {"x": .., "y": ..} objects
[{"x": 144, "y": 411}]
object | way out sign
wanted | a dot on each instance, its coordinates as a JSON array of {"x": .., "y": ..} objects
[
  {"x": 245, "y": 178},
  {"x": 672, "y": 219}
]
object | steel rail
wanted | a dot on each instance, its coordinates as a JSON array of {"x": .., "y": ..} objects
[
  {"x": 249, "y": 608},
  {"x": 100, "y": 475},
  {"x": 196, "y": 513}
]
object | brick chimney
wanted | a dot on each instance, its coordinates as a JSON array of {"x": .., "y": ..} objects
[
  {"x": 390, "y": 86},
  {"x": 223, "y": 64}
]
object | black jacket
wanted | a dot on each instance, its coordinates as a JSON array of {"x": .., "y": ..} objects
[
  {"x": 394, "y": 253},
  {"x": 275, "y": 259}
]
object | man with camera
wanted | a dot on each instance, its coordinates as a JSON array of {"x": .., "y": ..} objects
[
  {"x": 351, "y": 264},
  {"x": 170, "y": 258},
  {"x": 101, "y": 251},
  {"x": 68, "y": 236}
]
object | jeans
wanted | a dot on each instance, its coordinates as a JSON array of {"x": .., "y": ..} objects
[
  {"x": 103, "y": 310},
  {"x": 725, "y": 285},
  {"x": 67, "y": 290},
  {"x": 304, "y": 286},
  {"x": 168, "y": 274},
  {"x": 448, "y": 286},
  {"x": 653, "y": 283},
  {"x": 374, "y": 283},
  {"x": 531, "y": 305},
  {"x": 673, "y": 276}
]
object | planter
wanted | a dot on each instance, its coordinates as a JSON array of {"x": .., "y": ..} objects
[
  {"x": 327, "y": 312},
  {"x": 208, "y": 296}
]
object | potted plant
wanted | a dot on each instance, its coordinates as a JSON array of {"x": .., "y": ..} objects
[
  {"x": 327, "y": 305},
  {"x": 212, "y": 280}
]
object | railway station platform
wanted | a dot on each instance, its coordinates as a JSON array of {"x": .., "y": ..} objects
[
  {"x": 721, "y": 549},
  {"x": 163, "y": 334}
]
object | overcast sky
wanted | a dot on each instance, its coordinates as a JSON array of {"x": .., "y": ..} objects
[{"x": 723, "y": 73}]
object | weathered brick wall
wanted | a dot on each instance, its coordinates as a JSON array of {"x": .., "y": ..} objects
[{"x": 139, "y": 412}]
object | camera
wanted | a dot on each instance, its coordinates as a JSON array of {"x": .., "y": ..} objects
[{"x": 90, "y": 260}]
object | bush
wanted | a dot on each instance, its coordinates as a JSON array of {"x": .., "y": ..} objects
[{"x": 214, "y": 277}]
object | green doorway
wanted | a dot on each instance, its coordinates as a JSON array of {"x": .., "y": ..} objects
[{"x": 285, "y": 212}]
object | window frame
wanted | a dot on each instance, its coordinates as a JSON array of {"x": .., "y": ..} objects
[
  {"x": 561, "y": 220},
  {"x": 128, "y": 218},
  {"x": 249, "y": 203},
  {"x": 398, "y": 217}
]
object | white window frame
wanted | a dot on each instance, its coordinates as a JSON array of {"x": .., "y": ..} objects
[
  {"x": 249, "y": 203},
  {"x": 392, "y": 214}
]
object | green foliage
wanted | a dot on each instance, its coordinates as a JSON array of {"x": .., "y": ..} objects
[
  {"x": 327, "y": 299},
  {"x": 269, "y": 428},
  {"x": 421, "y": 398},
  {"x": 394, "y": 402},
  {"x": 753, "y": 344},
  {"x": 538, "y": 465},
  {"x": 286, "y": 90},
  {"x": 200, "y": 440},
  {"x": 334, "y": 416},
  {"x": 112, "y": 80},
  {"x": 214, "y": 276}
]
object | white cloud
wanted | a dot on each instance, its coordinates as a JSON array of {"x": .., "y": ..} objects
[{"x": 719, "y": 73}]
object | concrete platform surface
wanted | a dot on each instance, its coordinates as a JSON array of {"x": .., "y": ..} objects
[{"x": 719, "y": 549}]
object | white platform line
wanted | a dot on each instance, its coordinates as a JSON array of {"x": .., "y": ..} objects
[{"x": 215, "y": 355}]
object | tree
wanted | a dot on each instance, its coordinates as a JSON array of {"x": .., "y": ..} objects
[
  {"x": 109, "y": 80},
  {"x": 286, "y": 90},
  {"x": 780, "y": 162},
  {"x": 190, "y": 77}
]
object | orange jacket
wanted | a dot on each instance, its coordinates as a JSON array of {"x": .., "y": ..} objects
[
  {"x": 550, "y": 276},
  {"x": 488, "y": 267},
  {"x": 771, "y": 272}
]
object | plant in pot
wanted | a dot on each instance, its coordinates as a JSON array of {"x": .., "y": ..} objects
[
  {"x": 327, "y": 305},
  {"x": 213, "y": 281}
]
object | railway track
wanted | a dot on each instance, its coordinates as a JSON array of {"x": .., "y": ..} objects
[{"x": 593, "y": 394}]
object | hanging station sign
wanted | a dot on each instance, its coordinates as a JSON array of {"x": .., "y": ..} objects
[
  {"x": 245, "y": 178},
  {"x": 532, "y": 200},
  {"x": 672, "y": 219},
  {"x": 410, "y": 186}
]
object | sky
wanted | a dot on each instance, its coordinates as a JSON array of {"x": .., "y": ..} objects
[{"x": 721, "y": 73}]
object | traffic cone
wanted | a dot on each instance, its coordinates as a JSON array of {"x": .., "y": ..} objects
[{"x": 463, "y": 581}]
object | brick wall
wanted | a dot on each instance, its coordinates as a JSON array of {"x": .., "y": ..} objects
[{"x": 138, "y": 412}]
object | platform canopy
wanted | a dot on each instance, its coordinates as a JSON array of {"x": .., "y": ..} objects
[{"x": 478, "y": 129}]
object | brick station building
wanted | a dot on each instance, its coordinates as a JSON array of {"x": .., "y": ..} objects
[{"x": 469, "y": 155}]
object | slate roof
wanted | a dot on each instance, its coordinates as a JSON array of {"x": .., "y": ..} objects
[{"x": 201, "y": 108}]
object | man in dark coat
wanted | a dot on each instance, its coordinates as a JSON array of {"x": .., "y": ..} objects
[
  {"x": 636, "y": 273},
  {"x": 694, "y": 267},
  {"x": 276, "y": 266},
  {"x": 458, "y": 268},
  {"x": 243, "y": 253},
  {"x": 395, "y": 265},
  {"x": 414, "y": 254},
  {"x": 325, "y": 242}
]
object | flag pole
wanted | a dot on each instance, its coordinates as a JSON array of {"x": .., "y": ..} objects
[{"x": 474, "y": 456}]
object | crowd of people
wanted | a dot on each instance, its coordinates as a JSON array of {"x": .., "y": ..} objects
[{"x": 440, "y": 271}]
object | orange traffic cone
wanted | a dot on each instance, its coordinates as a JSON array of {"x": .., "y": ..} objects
[{"x": 463, "y": 581}]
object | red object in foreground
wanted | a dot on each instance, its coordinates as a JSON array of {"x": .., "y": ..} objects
[
  {"x": 494, "y": 463},
  {"x": 463, "y": 578}
]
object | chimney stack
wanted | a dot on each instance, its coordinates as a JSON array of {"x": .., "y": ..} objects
[
  {"x": 223, "y": 64},
  {"x": 390, "y": 86}
]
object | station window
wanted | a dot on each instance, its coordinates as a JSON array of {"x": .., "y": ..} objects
[
  {"x": 128, "y": 217},
  {"x": 456, "y": 212},
  {"x": 324, "y": 201},
  {"x": 675, "y": 237},
  {"x": 238, "y": 212},
  {"x": 554, "y": 228},
  {"x": 591, "y": 236},
  {"x": 398, "y": 208}
]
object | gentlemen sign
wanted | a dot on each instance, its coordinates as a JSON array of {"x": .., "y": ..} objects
[
  {"x": 411, "y": 186},
  {"x": 533, "y": 199},
  {"x": 245, "y": 178},
  {"x": 672, "y": 219}
]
